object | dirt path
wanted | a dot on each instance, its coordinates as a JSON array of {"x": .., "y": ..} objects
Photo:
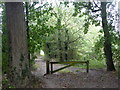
[{"x": 75, "y": 77}]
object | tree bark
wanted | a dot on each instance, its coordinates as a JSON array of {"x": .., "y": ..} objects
[
  {"x": 59, "y": 40},
  {"x": 107, "y": 38},
  {"x": 19, "y": 64},
  {"x": 28, "y": 36}
]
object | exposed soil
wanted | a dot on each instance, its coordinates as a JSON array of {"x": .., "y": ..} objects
[{"x": 75, "y": 78}]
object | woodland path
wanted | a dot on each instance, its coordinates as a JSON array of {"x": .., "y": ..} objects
[{"x": 75, "y": 78}]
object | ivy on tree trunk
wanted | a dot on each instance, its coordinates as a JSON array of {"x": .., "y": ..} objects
[{"x": 19, "y": 64}]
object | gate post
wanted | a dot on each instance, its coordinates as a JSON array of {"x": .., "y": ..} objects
[
  {"x": 47, "y": 67},
  {"x": 51, "y": 68},
  {"x": 87, "y": 70}
]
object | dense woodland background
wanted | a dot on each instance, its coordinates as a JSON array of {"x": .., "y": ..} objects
[{"x": 65, "y": 31}]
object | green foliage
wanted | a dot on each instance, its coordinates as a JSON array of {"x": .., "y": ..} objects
[
  {"x": 97, "y": 64},
  {"x": 84, "y": 9},
  {"x": 86, "y": 26},
  {"x": 94, "y": 64},
  {"x": 46, "y": 23},
  {"x": 66, "y": 37},
  {"x": 116, "y": 47},
  {"x": 5, "y": 44},
  {"x": 74, "y": 32},
  {"x": 91, "y": 10},
  {"x": 38, "y": 27},
  {"x": 64, "y": 71}
]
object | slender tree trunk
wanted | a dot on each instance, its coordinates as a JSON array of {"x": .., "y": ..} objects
[
  {"x": 66, "y": 44},
  {"x": 19, "y": 64},
  {"x": 66, "y": 51},
  {"x": 59, "y": 39},
  {"x": 49, "y": 51},
  {"x": 28, "y": 36},
  {"x": 107, "y": 38}
]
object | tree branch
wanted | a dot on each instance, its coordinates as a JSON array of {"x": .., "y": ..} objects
[
  {"x": 75, "y": 40},
  {"x": 77, "y": 31},
  {"x": 96, "y": 5}
]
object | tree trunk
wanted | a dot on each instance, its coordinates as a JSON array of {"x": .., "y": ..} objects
[
  {"x": 66, "y": 51},
  {"x": 19, "y": 64},
  {"x": 107, "y": 38},
  {"x": 66, "y": 44},
  {"x": 59, "y": 40},
  {"x": 28, "y": 36}
]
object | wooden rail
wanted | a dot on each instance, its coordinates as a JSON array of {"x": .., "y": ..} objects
[
  {"x": 59, "y": 68},
  {"x": 71, "y": 63}
]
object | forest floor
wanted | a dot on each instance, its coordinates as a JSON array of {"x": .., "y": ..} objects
[{"x": 74, "y": 77}]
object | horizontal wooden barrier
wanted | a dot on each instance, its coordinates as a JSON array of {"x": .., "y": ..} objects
[{"x": 71, "y": 63}]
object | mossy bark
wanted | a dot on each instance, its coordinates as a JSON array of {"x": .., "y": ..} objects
[{"x": 19, "y": 64}]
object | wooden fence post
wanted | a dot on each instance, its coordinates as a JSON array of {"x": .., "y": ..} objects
[
  {"x": 51, "y": 68},
  {"x": 47, "y": 67},
  {"x": 87, "y": 63}
]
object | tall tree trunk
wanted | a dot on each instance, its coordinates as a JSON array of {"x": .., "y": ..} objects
[
  {"x": 107, "y": 38},
  {"x": 59, "y": 39},
  {"x": 19, "y": 64},
  {"x": 28, "y": 36}
]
